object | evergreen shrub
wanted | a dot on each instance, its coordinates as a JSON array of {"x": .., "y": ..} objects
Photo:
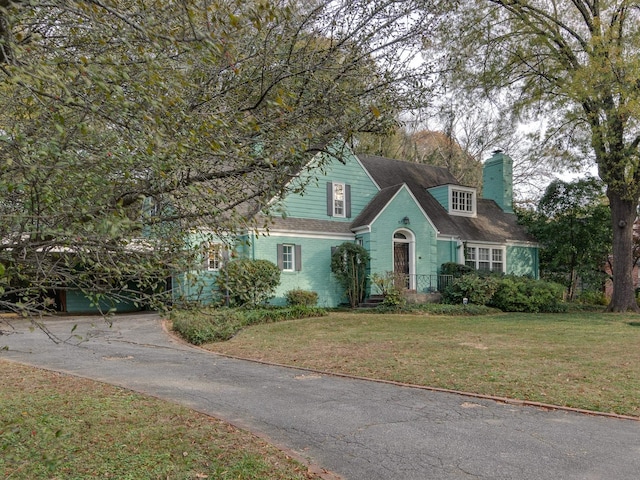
[
  {"x": 523, "y": 294},
  {"x": 248, "y": 282},
  {"x": 301, "y": 297},
  {"x": 476, "y": 289}
]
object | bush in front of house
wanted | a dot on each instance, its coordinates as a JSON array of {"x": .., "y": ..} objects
[
  {"x": 478, "y": 290},
  {"x": 298, "y": 296},
  {"x": 206, "y": 326},
  {"x": 595, "y": 297},
  {"x": 508, "y": 293},
  {"x": 220, "y": 324},
  {"x": 523, "y": 294},
  {"x": 248, "y": 282},
  {"x": 455, "y": 269}
]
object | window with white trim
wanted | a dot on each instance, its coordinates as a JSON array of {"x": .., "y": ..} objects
[
  {"x": 213, "y": 256},
  {"x": 289, "y": 257},
  {"x": 484, "y": 258},
  {"x": 338, "y": 200},
  {"x": 462, "y": 201}
]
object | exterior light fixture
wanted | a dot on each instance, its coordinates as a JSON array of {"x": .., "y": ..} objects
[{"x": 405, "y": 221}]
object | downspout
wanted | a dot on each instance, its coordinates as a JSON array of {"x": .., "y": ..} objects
[{"x": 460, "y": 253}]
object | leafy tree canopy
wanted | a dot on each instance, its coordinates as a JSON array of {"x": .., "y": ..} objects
[
  {"x": 124, "y": 125},
  {"x": 573, "y": 225},
  {"x": 576, "y": 65}
]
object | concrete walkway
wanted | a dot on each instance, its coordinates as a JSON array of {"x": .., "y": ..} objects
[{"x": 360, "y": 430}]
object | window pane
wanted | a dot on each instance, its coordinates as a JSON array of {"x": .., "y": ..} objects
[
  {"x": 338, "y": 199},
  {"x": 462, "y": 201},
  {"x": 483, "y": 254},
  {"x": 471, "y": 254},
  {"x": 287, "y": 257},
  {"x": 214, "y": 257}
]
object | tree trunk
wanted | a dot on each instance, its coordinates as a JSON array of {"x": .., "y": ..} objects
[{"x": 623, "y": 215}]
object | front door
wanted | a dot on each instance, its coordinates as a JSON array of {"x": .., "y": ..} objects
[{"x": 401, "y": 265}]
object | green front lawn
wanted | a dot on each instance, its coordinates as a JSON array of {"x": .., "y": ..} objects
[{"x": 582, "y": 360}]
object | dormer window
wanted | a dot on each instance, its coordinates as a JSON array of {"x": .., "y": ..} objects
[{"x": 462, "y": 201}]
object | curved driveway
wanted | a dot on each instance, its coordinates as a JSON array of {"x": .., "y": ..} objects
[{"x": 358, "y": 429}]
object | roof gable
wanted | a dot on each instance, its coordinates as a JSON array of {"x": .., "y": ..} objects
[
  {"x": 491, "y": 224},
  {"x": 380, "y": 202},
  {"x": 335, "y": 164}
]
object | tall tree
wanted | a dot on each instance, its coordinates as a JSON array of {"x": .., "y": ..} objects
[
  {"x": 577, "y": 64},
  {"x": 573, "y": 225},
  {"x": 124, "y": 125}
]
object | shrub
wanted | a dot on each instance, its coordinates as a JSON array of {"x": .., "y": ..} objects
[
  {"x": 249, "y": 282},
  {"x": 522, "y": 294},
  {"x": 476, "y": 289},
  {"x": 301, "y": 297},
  {"x": 386, "y": 285},
  {"x": 394, "y": 298},
  {"x": 198, "y": 327},
  {"x": 218, "y": 325},
  {"x": 455, "y": 269},
  {"x": 349, "y": 265},
  {"x": 593, "y": 297}
]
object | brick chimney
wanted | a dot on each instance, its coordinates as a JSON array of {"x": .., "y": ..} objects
[{"x": 497, "y": 180}]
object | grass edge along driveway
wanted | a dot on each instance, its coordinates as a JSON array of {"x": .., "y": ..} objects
[
  {"x": 55, "y": 426},
  {"x": 588, "y": 361}
]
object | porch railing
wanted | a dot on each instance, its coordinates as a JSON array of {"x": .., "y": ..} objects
[{"x": 424, "y": 283}]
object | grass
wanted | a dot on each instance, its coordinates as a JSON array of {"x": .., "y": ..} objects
[
  {"x": 54, "y": 426},
  {"x": 583, "y": 360}
]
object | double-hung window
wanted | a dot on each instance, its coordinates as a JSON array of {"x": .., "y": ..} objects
[
  {"x": 485, "y": 258},
  {"x": 338, "y": 200},
  {"x": 214, "y": 258},
  {"x": 289, "y": 257}
]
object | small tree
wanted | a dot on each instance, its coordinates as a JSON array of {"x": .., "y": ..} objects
[
  {"x": 349, "y": 264},
  {"x": 248, "y": 282},
  {"x": 573, "y": 225}
]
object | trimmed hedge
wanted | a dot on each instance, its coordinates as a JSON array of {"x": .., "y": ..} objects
[
  {"x": 507, "y": 293},
  {"x": 521, "y": 294},
  {"x": 218, "y": 325},
  {"x": 301, "y": 297}
]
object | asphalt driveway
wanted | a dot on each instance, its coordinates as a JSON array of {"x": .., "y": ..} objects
[{"x": 360, "y": 430}]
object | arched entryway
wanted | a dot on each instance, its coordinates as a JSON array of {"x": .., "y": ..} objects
[{"x": 403, "y": 259}]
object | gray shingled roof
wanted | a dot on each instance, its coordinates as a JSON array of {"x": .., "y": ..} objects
[
  {"x": 375, "y": 206},
  {"x": 491, "y": 224},
  {"x": 310, "y": 225}
]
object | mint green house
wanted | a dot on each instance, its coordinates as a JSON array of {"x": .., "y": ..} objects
[{"x": 412, "y": 218}]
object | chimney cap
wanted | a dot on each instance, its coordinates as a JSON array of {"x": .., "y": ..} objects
[{"x": 497, "y": 151}]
